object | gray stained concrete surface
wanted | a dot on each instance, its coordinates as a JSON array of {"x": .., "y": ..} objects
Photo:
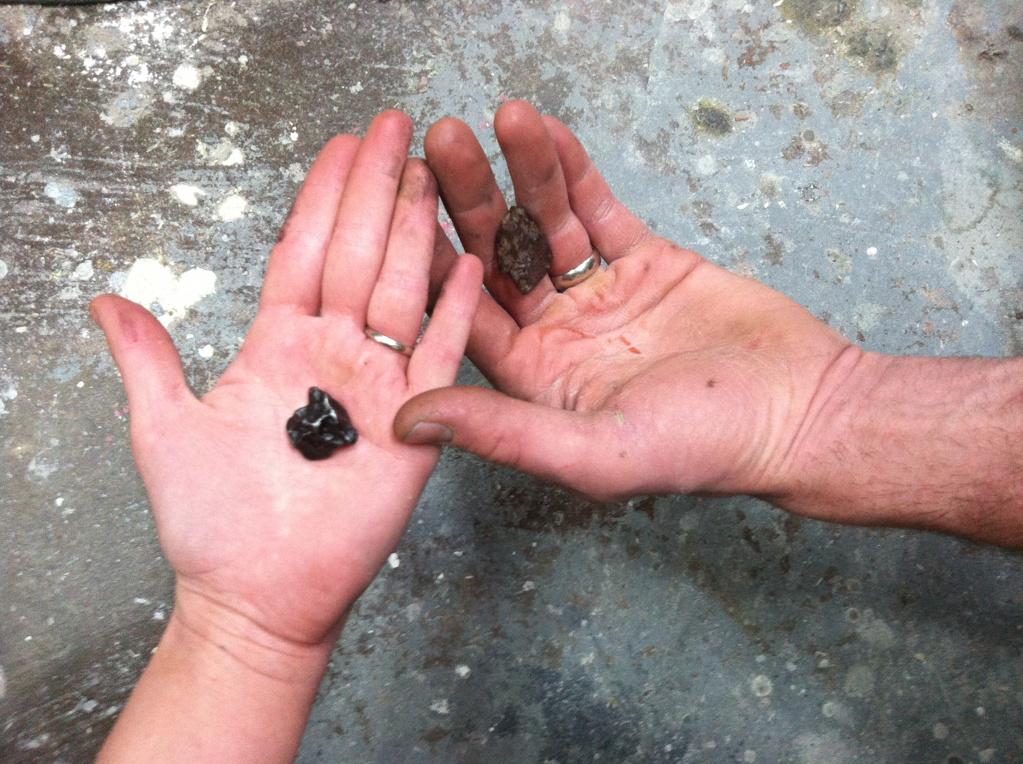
[{"x": 864, "y": 156}]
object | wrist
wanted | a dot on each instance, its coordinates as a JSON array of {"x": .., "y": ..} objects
[
  {"x": 914, "y": 442},
  {"x": 218, "y": 688},
  {"x": 228, "y": 639}
]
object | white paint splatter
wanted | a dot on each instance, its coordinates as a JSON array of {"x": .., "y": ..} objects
[
  {"x": 706, "y": 165},
  {"x": 8, "y": 392},
  {"x": 40, "y": 467},
  {"x": 140, "y": 73},
  {"x": 186, "y": 77},
  {"x": 235, "y": 157},
  {"x": 393, "y": 561},
  {"x": 871, "y": 252},
  {"x": 1015, "y": 153},
  {"x": 875, "y": 631},
  {"x": 151, "y": 282},
  {"x": 462, "y": 670},
  {"x": 761, "y": 686},
  {"x": 206, "y": 351},
  {"x": 859, "y": 681},
  {"x": 187, "y": 194},
  {"x": 62, "y": 193},
  {"x": 84, "y": 271},
  {"x": 356, "y": 88},
  {"x": 35, "y": 743},
  {"x": 3, "y": 269},
  {"x": 714, "y": 56},
  {"x": 294, "y": 172},
  {"x": 232, "y": 208},
  {"x": 441, "y": 707},
  {"x": 224, "y": 153}
]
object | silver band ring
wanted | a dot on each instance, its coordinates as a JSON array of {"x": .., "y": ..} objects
[
  {"x": 388, "y": 342},
  {"x": 579, "y": 274}
]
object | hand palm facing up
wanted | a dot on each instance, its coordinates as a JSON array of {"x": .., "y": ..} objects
[
  {"x": 250, "y": 526},
  {"x": 661, "y": 373}
]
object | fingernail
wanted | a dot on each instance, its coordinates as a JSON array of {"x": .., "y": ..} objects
[{"x": 428, "y": 433}]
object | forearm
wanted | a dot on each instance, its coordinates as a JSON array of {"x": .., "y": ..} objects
[
  {"x": 932, "y": 443},
  {"x": 213, "y": 692}
]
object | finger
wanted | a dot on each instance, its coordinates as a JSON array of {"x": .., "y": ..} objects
[
  {"x": 144, "y": 352},
  {"x": 614, "y": 231},
  {"x": 476, "y": 206},
  {"x": 437, "y": 357},
  {"x": 539, "y": 183},
  {"x": 295, "y": 272},
  {"x": 549, "y": 443},
  {"x": 492, "y": 332},
  {"x": 359, "y": 239},
  {"x": 399, "y": 298}
]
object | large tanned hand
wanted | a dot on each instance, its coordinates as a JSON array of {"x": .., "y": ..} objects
[
  {"x": 270, "y": 545},
  {"x": 662, "y": 373}
]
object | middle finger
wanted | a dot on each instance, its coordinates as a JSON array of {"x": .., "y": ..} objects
[
  {"x": 535, "y": 169},
  {"x": 357, "y": 246},
  {"x": 476, "y": 206}
]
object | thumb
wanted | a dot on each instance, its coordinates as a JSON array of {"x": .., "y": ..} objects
[
  {"x": 144, "y": 352},
  {"x": 549, "y": 443}
]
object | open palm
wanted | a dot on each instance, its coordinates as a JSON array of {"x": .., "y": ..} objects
[
  {"x": 661, "y": 373},
  {"x": 248, "y": 524}
]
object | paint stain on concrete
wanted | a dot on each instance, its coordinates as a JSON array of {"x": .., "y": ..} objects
[
  {"x": 712, "y": 118},
  {"x": 818, "y": 16},
  {"x": 875, "y": 48}
]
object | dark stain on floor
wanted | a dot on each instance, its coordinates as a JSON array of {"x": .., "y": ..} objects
[{"x": 711, "y": 117}]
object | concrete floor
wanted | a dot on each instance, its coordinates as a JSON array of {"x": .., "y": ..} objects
[{"x": 869, "y": 163}]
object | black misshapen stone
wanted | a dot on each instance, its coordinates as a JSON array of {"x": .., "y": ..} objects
[
  {"x": 320, "y": 428},
  {"x": 522, "y": 250}
]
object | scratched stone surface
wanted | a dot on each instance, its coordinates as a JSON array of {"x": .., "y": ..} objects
[{"x": 864, "y": 156}]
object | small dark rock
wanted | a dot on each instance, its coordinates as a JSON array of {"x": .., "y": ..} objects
[
  {"x": 523, "y": 253},
  {"x": 320, "y": 428}
]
